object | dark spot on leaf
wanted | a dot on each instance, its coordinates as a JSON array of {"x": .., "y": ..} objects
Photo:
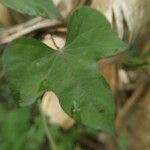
[{"x": 101, "y": 111}]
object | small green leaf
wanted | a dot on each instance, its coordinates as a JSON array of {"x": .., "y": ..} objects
[
  {"x": 72, "y": 73},
  {"x": 44, "y": 8}
]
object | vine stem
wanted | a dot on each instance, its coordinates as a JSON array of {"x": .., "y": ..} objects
[{"x": 48, "y": 134}]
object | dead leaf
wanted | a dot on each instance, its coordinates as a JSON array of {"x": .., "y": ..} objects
[
  {"x": 67, "y": 6},
  {"x": 54, "y": 41},
  {"x": 131, "y": 14},
  {"x": 5, "y": 18},
  {"x": 51, "y": 108}
]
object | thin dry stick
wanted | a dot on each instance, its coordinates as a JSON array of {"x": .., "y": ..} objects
[
  {"x": 123, "y": 113},
  {"x": 23, "y": 25},
  {"x": 25, "y": 28}
]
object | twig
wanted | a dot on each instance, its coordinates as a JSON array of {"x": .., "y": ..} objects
[
  {"x": 124, "y": 112},
  {"x": 25, "y": 28},
  {"x": 23, "y": 25}
]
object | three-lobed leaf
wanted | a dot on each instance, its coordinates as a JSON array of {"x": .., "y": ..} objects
[
  {"x": 72, "y": 73},
  {"x": 44, "y": 8}
]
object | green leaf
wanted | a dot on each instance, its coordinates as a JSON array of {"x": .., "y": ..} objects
[
  {"x": 44, "y": 8},
  {"x": 65, "y": 141},
  {"x": 72, "y": 73},
  {"x": 17, "y": 128},
  {"x": 90, "y": 36}
]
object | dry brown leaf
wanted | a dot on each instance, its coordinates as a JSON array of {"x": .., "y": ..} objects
[
  {"x": 51, "y": 108},
  {"x": 5, "y": 18},
  {"x": 140, "y": 129},
  {"x": 133, "y": 12},
  {"x": 66, "y": 6},
  {"x": 123, "y": 79},
  {"x": 54, "y": 40},
  {"x": 102, "y": 5}
]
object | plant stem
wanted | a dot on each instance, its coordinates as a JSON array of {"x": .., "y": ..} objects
[{"x": 48, "y": 134}]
